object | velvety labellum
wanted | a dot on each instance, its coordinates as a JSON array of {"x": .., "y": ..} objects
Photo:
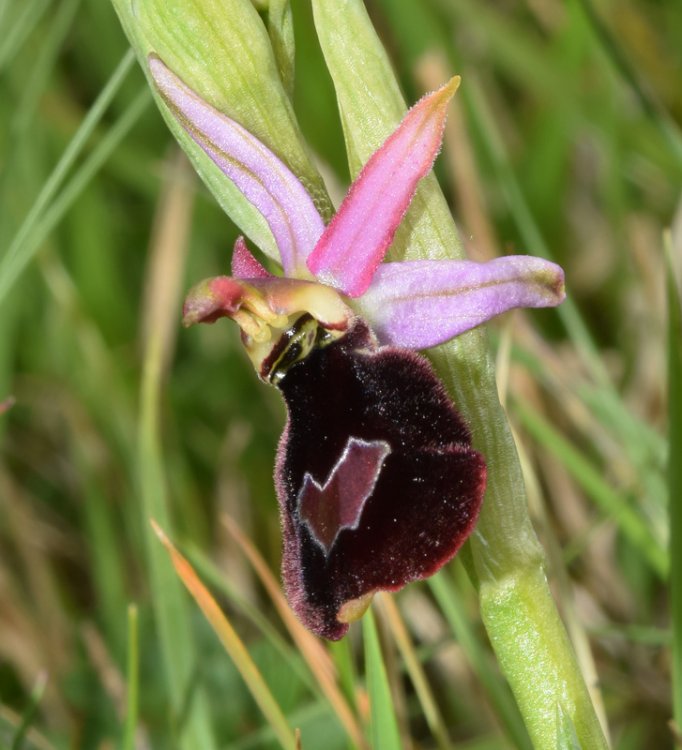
[{"x": 377, "y": 480}]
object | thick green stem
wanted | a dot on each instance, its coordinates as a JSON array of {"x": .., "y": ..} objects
[
  {"x": 535, "y": 655},
  {"x": 518, "y": 611}
]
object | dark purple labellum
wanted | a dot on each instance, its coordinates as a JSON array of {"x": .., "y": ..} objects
[{"x": 376, "y": 477}]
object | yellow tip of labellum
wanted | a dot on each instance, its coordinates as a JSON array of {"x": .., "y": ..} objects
[{"x": 354, "y": 609}]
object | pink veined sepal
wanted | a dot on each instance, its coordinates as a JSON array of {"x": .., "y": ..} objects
[
  {"x": 420, "y": 304},
  {"x": 256, "y": 171}
]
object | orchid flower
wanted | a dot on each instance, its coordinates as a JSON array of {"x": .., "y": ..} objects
[{"x": 376, "y": 479}]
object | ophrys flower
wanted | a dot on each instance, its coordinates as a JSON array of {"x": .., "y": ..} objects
[{"x": 377, "y": 482}]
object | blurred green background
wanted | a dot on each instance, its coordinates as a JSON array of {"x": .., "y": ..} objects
[{"x": 562, "y": 142}]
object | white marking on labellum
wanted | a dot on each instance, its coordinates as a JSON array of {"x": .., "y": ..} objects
[{"x": 337, "y": 504}]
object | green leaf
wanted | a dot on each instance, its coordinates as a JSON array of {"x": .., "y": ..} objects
[
  {"x": 384, "y": 729},
  {"x": 675, "y": 474}
]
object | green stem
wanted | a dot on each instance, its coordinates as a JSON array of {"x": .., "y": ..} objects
[
  {"x": 133, "y": 677},
  {"x": 675, "y": 475},
  {"x": 535, "y": 655},
  {"x": 517, "y": 608}
]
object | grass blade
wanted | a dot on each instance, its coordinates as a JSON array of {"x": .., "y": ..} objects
[
  {"x": 615, "y": 52},
  {"x": 312, "y": 651},
  {"x": 56, "y": 210},
  {"x": 417, "y": 675},
  {"x": 171, "y": 613},
  {"x": 675, "y": 476},
  {"x": 45, "y": 63},
  {"x": 13, "y": 38},
  {"x": 384, "y": 727},
  {"x": 19, "y": 252},
  {"x": 30, "y": 712},
  {"x": 189, "y": 707},
  {"x": 132, "y": 681},
  {"x": 611, "y": 502},
  {"x": 258, "y": 618}
]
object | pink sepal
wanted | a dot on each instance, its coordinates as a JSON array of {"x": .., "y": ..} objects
[
  {"x": 421, "y": 304},
  {"x": 259, "y": 175},
  {"x": 357, "y": 238}
]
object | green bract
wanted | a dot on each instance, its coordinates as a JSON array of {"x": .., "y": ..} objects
[{"x": 222, "y": 50}]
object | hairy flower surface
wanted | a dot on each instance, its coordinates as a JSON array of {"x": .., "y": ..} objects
[{"x": 376, "y": 479}]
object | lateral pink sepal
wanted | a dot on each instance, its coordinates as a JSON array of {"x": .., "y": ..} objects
[
  {"x": 260, "y": 176},
  {"x": 421, "y": 304}
]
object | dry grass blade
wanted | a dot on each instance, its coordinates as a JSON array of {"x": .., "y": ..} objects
[
  {"x": 232, "y": 643},
  {"x": 168, "y": 251},
  {"x": 313, "y": 652}
]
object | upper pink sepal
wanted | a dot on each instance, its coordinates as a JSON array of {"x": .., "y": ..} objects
[
  {"x": 244, "y": 265},
  {"x": 355, "y": 242},
  {"x": 260, "y": 175},
  {"x": 421, "y": 304}
]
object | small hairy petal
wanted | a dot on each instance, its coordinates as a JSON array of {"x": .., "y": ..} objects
[
  {"x": 212, "y": 299},
  {"x": 381, "y": 414},
  {"x": 420, "y": 304},
  {"x": 260, "y": 175},
  {"x": 357, "y": 238},
  {"x": 244, "y": 265}
]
